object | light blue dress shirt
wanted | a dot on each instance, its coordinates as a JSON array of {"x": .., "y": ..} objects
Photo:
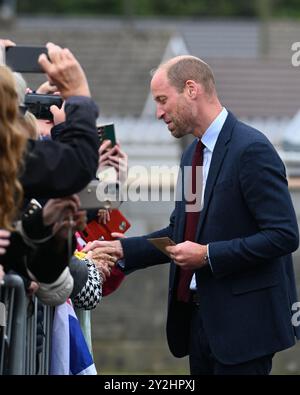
[{"x": 209, "y": 139}]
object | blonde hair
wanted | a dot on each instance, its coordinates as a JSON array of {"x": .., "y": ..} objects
[
  {"x": 12, "y": 148},
  {"x": 20, "y": 87},
  {"x": 30, "y": 126},
  {"x": 28, "y": 121}
]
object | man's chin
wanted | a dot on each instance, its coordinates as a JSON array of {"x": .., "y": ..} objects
[{"x": 175, "y": 133}]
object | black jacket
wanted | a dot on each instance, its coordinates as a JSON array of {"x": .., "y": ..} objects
[
  {"x": 65, "y": 166},
  {"x": 54, "y": 169},
  {"x": 247, "y": 293}
]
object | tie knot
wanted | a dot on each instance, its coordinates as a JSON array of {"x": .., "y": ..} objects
[
  {"x": 200, "y": 146},
  {"x": 198, "y": 155}
]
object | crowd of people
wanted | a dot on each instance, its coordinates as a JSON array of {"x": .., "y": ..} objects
[
  {"x": 232, "y": 284},
  {"x": 43, "y": 164}
]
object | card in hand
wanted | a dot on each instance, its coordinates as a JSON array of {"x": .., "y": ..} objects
[{"x": 161, "y": 243}]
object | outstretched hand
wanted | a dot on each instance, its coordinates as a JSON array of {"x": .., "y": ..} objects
[
  {"x": 103, "y": 262},
  {"x": 113, "y": 248}
]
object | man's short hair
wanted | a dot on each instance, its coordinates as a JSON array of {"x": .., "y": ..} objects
[{"x": 191, "y": 68}]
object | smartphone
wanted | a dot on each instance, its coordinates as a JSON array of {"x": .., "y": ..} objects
[
  {"x": 107, "y": 132},
  {"x": 24, "y": 59},
  {"x": 95, "y": 231},
  {"x": 39, "y": 105},
  {"x": 93, "y": 196}
]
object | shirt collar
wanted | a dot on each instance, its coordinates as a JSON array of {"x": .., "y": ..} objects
[{"x": 211, "y": 135}]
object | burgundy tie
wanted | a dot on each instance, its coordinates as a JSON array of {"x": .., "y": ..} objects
[{"x": 192, "y": 219}]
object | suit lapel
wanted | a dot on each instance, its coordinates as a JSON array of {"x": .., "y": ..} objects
[{"x": 218, "y": 157}]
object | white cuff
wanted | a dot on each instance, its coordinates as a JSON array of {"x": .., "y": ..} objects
[{"x": 57, "y": 292}]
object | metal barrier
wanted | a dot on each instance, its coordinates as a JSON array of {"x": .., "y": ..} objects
[
  {"x": 18, "y": 337},
  {"x": 12, "y": 349}
]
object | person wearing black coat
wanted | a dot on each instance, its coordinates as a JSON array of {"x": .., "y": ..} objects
[{"x": 56, "y": 169}]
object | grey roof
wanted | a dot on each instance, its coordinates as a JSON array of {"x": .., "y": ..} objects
[
  {"x": 257, "y": 88},
  {"x": 117, "y": 62},
  {"x": 218, "y": 39},
  {"x": 118, "y": 55}
]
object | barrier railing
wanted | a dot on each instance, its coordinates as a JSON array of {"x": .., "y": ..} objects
[
  {"x": 19, "y": 353},
  {"x": 13, "y": 345}
]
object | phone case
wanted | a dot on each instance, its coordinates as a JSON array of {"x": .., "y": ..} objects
[{"x": 95, "y": 231}]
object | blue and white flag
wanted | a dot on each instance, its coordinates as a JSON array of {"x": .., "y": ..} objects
[{"x": 70, "y": 354}]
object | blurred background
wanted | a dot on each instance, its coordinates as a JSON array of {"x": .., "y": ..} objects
[{"x": 118, "y": 42}]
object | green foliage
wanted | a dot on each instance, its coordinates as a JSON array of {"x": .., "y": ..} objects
[
  {"x": 195, "y": 8},
  {"x": 191, "y": 8},
  {"x": 71, "y": 6},
  {"x": 287, "y": 8}
]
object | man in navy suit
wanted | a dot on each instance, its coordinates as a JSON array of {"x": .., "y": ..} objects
[{"x": 234, "y": 248}]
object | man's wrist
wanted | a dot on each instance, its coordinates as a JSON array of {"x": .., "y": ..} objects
[{"x": 206, "y": 256}]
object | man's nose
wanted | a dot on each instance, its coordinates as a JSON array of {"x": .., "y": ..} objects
[{"x": 159, "y": 113}]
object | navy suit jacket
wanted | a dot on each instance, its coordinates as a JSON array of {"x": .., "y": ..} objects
[{"x": 249, "y": 222}]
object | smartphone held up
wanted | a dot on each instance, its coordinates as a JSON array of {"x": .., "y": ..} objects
[
  {"x": 24, "y": 58},
  {"x": 107, "y": 132}
]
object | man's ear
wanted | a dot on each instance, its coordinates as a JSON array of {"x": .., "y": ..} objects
[{"x": 192, "y": 89}]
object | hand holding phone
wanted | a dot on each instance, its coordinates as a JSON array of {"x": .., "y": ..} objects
[
  {"x": 95, "y": 231},
  {"x": 64, "y": 71}
]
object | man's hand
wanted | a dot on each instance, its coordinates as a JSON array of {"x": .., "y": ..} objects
[
  {"x": 64, "y": 71},
  {"x": 113, "y": 248},
  {"x": 188, "y": 255}
]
